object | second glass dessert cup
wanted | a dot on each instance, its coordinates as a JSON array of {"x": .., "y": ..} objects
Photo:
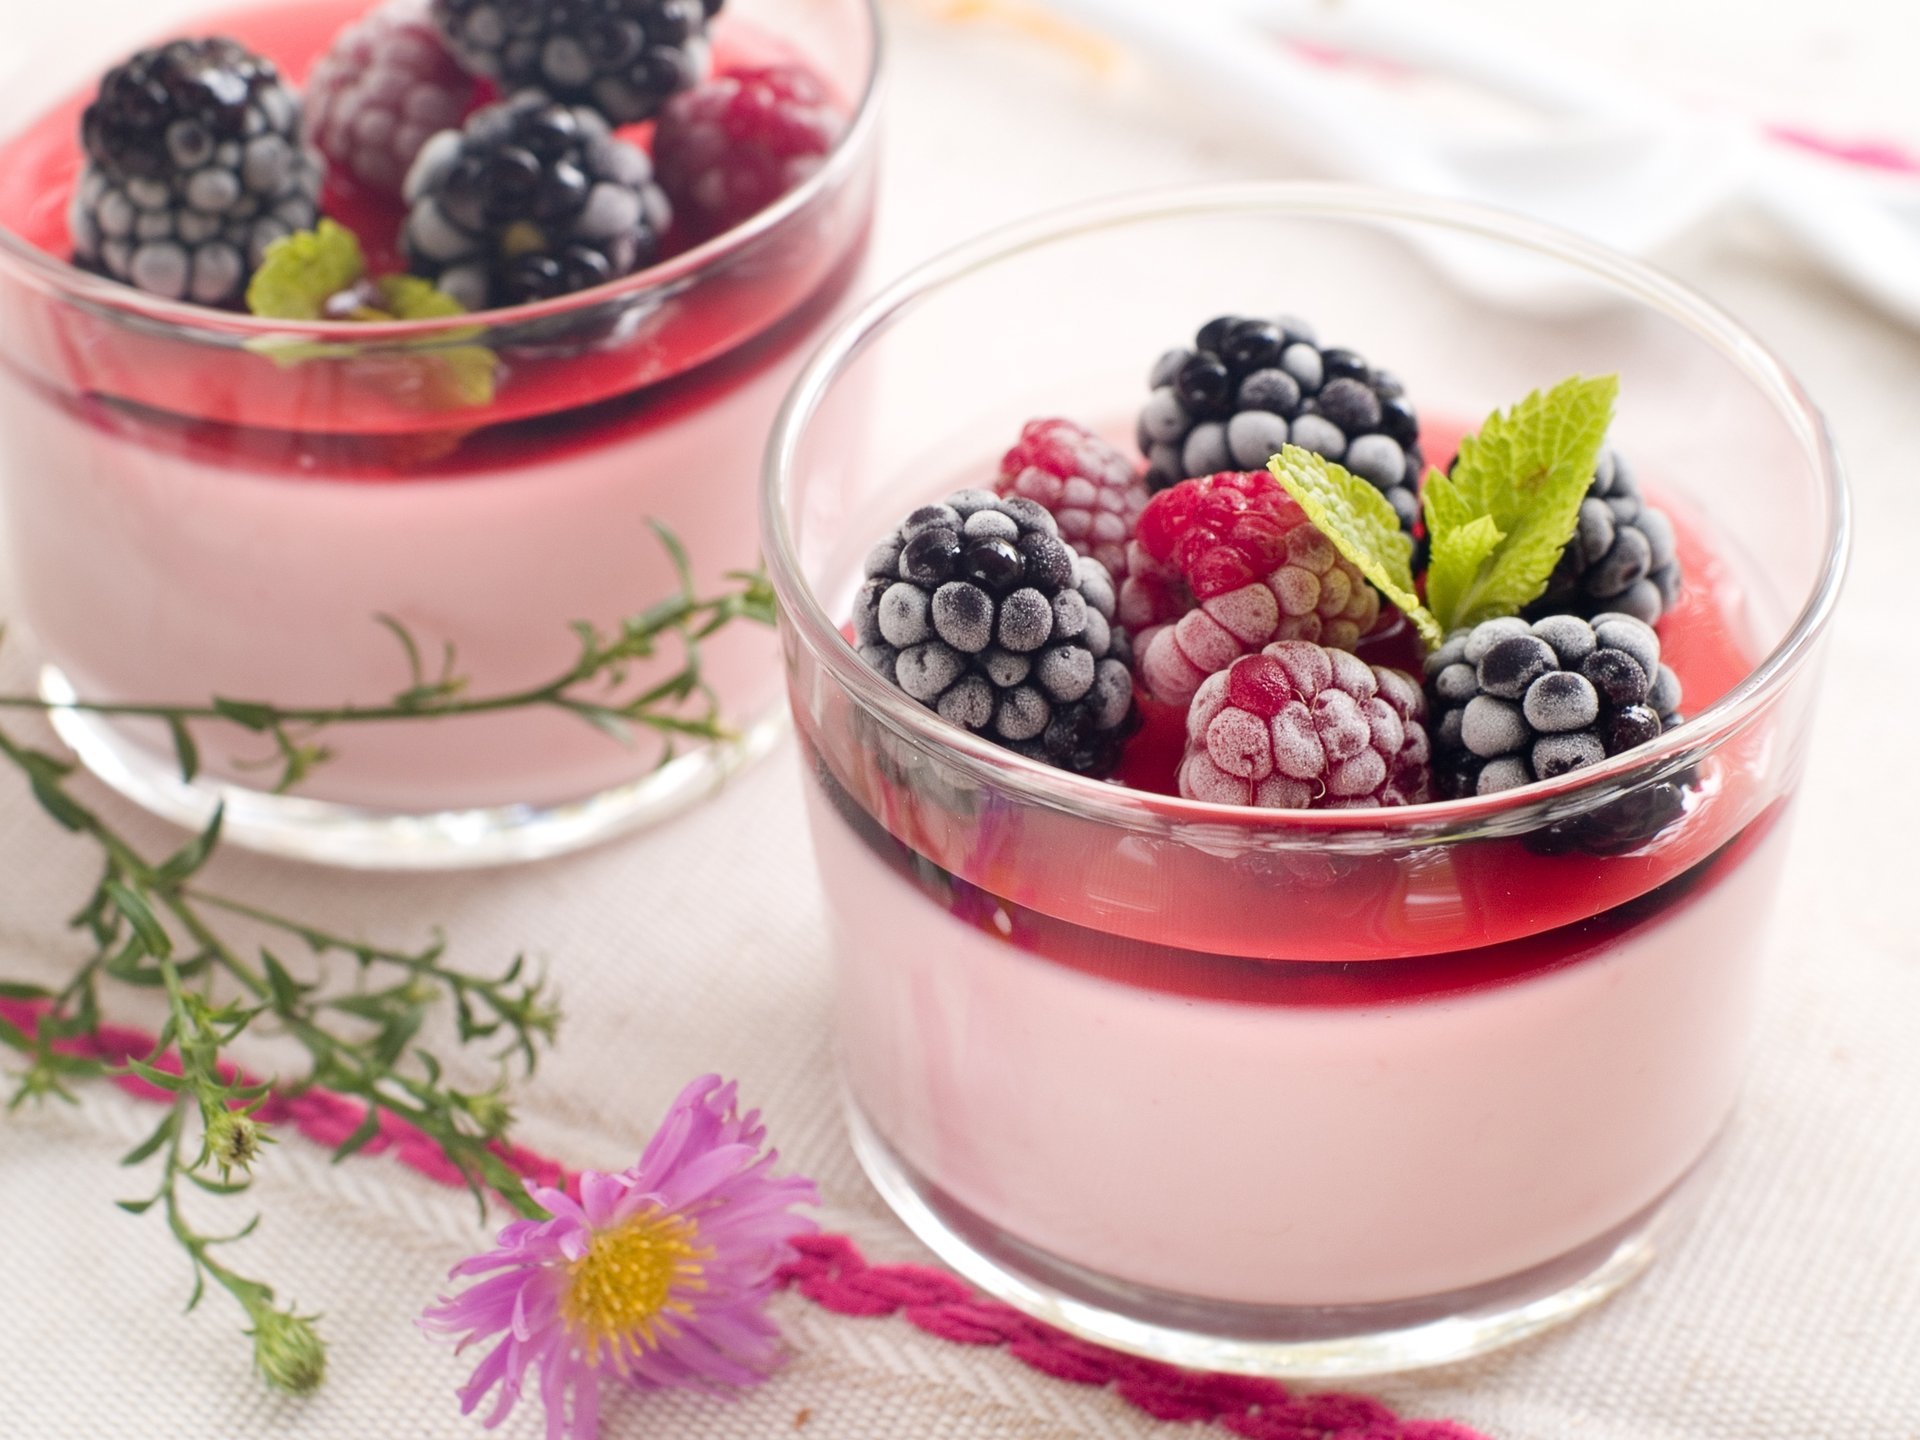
[
  {"x": 203, "y": 504},
  {"x": 1299, "y": 1092}
]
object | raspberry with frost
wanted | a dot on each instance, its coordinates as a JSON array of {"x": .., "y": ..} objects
[
  {"x": 1302, "y": 726},
  {"x": 1093, "y": 491},
  {"x": 386, "y": 87},
  {"x": 1221, "y": 566}
]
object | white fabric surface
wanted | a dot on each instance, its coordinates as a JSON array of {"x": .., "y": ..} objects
[{"x": 1791, "y": 1313}]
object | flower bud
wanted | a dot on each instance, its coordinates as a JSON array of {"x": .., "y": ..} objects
[
  {"x": 288, "y": 1350},
  {"x": 233, "y": 1140}
]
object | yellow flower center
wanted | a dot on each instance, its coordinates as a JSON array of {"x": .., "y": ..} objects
[{"x": 631, "y": 1276}]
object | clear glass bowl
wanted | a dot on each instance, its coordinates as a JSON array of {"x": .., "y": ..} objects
[
  {"x": 1306, "y": 1093},
  {"x": 205, "y": 504}
]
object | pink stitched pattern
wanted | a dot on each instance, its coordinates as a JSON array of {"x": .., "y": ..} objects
[{"x": 830, "y": 1271}]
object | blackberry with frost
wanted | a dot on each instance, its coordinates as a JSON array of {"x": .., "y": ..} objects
[
  {"x": 980, "y": 611},
  {"x": 386, "y": 87},
  {"x": 196, "y": 163},
  {"x": 1094, "y": 493},
  {"x": 727, "y": 149},
  {"x": 1518, "y": 702},
  {"x": 531, "y": 199},
  {"x": 1300, "y": 726},
  {"x": 1249, "y": 386},
  {"x": 1623, "y": 556},
  {"x": 1223, "y": 565},
  {"x": 621, "y": 57}
]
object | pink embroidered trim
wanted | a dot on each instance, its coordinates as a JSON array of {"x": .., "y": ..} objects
[
  {"x": 830, "y": 1271},
  {"x": 833, "y": 1274}
]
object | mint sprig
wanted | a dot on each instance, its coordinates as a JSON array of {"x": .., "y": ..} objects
[
  {"x": 321, "y": 274},
  {"x": 1495, "y": 527},
  {"x": 1499, "y": 522}
]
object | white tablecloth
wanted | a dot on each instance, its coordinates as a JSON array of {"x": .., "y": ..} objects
[{"x": 1793, "y": 1311}]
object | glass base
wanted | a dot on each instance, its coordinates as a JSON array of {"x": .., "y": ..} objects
[
  {"x": 1291, "y": 1342},
  {"x": 362, "y": 838}
]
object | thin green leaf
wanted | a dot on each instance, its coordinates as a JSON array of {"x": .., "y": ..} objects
[
  {"x": 160, "y": 1079},
  {"x": 140, "y": 915},
  {"x": 184, "y": 750},
  {"x": 415, "y": 670},
  {"x": 249, "y": 714},
  {"x": 362, "y": 1134},
  {"x": 604, "y": 720},
  {"x": 189, "y": 858},
  {"x": 676, "y": 552},
  {"x": 150, "y": 1146},
  {"x": 285, "y": 991},
  {"x": 70, "y": 814},
  {"x": 217, "y": 1187}
]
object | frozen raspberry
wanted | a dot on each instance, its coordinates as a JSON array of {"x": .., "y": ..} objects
[
  {"x": 1249, "y": 386},
  {"x": 620, "y": 57},
  {"x": 196, "y": 163},
  {"x": 1300, "y": 726},
  {"x": 388, "y": 85},
  {"x": 1519, "y": 702},
  {"x": 1622, "y": 558},
  {"x": 1093, "y": 492},
  {"x": 529, "y": 200},
  {"x": 979, "y": 610},
  {"x": 731, "y": 147},
  {"x": 1254, "y": 570}
]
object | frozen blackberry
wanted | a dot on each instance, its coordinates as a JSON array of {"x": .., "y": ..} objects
[
  {"x": 622, "y": 57},
  {"x": 1299, "y": 726},
  {"x": 195, "y": 165},
  {"x": 1249, "y": 386},
  {"x": 1622, "y": 557},
  {"x": 386, "y": 87},
  {"x": 1094, "y": 493},
  {"x": 531, "y": 199},
  {"x": 729, "y": 148},
  {"x": 979, "y": 610},
  {"x": 1518, "y": 702}
]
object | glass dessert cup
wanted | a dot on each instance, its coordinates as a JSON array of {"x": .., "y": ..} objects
[
  {"x": 207, "y": 504},
  {"x": 1309, "y": 1093}
]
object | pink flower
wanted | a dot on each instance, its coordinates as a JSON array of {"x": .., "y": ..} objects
[{"x": 658, "y": 1276}]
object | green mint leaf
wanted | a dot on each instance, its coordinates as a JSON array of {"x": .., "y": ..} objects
[
  {"x": 1353, "y": 514},
  {"x": 1461, "y": 546},
  {"x": 467, "y": 372},
  {"x": 301, "y": 273},
  {"x": 1499, "y": 522},
  {"x": 409, "y": 297}
]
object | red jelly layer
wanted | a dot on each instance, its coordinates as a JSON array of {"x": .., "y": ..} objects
[
  {"x": 1183, "y": 971},
  {"x": 1302, "y": 886}
]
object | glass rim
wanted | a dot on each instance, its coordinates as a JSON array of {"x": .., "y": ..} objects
[
  {"x": 79, "y": 286},
  {"x": 1523, "y": 808}
]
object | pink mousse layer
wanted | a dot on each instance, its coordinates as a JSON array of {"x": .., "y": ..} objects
[
  {"x": 150, "y": 572},
  {"x": 1284, "y": 1154}
]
